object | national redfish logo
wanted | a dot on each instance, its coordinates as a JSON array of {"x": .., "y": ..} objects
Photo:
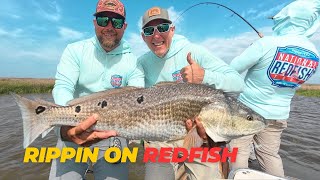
[
  {"x": 292, "y": 66},
  {"x": 116, "y": 81},
  {"x": 176, "y": 76}
]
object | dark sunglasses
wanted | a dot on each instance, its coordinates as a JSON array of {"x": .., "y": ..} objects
[
  {"x": 103, "y": 21},
  {"x": 162, "y": 28}
]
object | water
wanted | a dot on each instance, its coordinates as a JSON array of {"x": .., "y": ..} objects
[{"x": 300, "y": 147}]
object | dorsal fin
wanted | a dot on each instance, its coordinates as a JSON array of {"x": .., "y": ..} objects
[
  {"x": 103, "y": 94},
  {"x": 166, "y": 83},
  {"x": 46, "y": 103}
]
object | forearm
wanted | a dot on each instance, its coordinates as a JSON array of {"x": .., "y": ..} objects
[{"x": 226, "y": 81}]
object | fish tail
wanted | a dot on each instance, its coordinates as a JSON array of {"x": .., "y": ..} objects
[{"x": 33, "y": 125}]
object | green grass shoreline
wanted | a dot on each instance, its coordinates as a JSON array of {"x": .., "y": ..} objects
[
  {"x": 29, "y": 85},
  {"x": 25, "y": 85}
]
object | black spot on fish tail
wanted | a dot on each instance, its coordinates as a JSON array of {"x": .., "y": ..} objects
[
  {"x": 78, "y": 109},
  {"x": 104, "y": 104},
  {"x": 40, "y": 109},
  {"x": 140, "y": 99}
]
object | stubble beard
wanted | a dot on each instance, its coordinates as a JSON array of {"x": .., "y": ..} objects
[{"x": 108, "y": 44}]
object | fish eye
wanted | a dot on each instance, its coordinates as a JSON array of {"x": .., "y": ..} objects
[{"x": 249, "y": 117}]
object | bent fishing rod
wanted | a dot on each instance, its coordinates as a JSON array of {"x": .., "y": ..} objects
[{"x": 213, "y": 3}]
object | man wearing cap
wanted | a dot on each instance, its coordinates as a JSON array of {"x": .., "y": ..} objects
[
  {"x": 277, "y": 65},
  {"x": 173, "y": 58},
  {"x": 102, "y": 62}
]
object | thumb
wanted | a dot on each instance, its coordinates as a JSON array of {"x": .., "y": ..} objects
[{"x": 189, "y": 59}]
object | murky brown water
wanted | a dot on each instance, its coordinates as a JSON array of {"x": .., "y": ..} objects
[{"x": 300, "y": 148}]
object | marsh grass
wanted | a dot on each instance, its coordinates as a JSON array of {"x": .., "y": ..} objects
[
  {"x": 311, "y": 90},
  {"x": 309, "y": 93},
  {"x": 25, "y": 85},
  {"x": 30, "y": 85}
]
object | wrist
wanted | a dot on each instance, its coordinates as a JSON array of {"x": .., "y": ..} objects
[{"x": 64, "y": 133}]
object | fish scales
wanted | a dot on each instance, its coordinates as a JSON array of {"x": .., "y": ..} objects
[{"x": 156, "y": 114}]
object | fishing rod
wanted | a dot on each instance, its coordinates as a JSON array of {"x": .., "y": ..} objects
[{"x": 213, "y": 3}]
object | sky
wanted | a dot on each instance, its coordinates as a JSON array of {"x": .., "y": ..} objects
[{"x": 34, "y": 33}]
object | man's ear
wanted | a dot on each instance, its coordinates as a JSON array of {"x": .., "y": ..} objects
[
  {"x": 173, "y": 28},
  {"x": 143, "y": 37},
  {"x": 125, "y": 26}
]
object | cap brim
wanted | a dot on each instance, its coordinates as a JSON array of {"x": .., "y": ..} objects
[
  {"x": 97, "y": 13},
  {"x": 155, "y": 19}
]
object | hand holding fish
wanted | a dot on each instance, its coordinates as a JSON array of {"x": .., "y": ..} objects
[
  {"x": 192, "y": 73},
  {"x": 82, "y": 135},
  {"x": 200, "y": 129}
]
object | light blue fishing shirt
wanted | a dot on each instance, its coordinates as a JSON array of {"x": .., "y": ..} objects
[
  {"x": 85, "y": 67},
  {"x": 217, "y": 73},
  {"x": 277, "y": 65}
]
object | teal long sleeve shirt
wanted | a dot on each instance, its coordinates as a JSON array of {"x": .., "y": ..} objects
[
  {"x": 277, "y": 65},
  {"x": 217, "y": 73},
  {"x": 85, "y": 67}
]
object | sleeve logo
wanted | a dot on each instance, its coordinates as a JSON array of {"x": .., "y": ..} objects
[{"x": 292, "y": 66}]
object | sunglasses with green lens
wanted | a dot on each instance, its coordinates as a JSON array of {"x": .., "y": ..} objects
[
  {"x": 103, "y": 21},
  {"x": 162, "y": 28}
]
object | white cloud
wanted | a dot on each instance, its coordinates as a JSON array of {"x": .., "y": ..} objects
[
  {"x": 249, "y": 12},
  {"x": 228, "y": 48},
  {"x": 137, "y": 44},
  {"x": 41, "y": 53},
  {"x": 269, "y": 12},
  {"x": 11, "y": 33},
  {"x": 30, "y": 50},
  {"x": 175, "y": 16},
  {"x": 9, "y": 8},
  {"x": 253, "y": 14},
  {"x": 15, "y": 16},
  {"x": 70, "y": 34},
  {"x": 3, "y": 32},
  {"x": 50, "y": 10}
]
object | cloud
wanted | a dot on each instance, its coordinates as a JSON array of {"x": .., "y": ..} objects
[
  {"x": 11, "y": 33},
  {"x": 15, "y": 16},
  {"x": 175, "y": 18},
  {"x": 10, "y": 9},
  {"x": 70, "y": 34},
  {"x": 269, "y": 12},
  {"x": 50, "y": 10},
  {"x": 34, "y": 49},
  {"x": 228, "y": 48},
  {"x": 249, "y": 12},
  {"x": 253, "y": 14},
  {"x": 137, "y": 44}
]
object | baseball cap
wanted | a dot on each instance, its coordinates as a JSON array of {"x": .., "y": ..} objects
[
  {"x": 155, "y": 13},
  {"x": 111, "y": 6}
]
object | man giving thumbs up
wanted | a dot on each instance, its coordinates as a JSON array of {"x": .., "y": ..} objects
[
  {"x": 173, "y": 58},
  {"x": 192, "y": 73}
]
